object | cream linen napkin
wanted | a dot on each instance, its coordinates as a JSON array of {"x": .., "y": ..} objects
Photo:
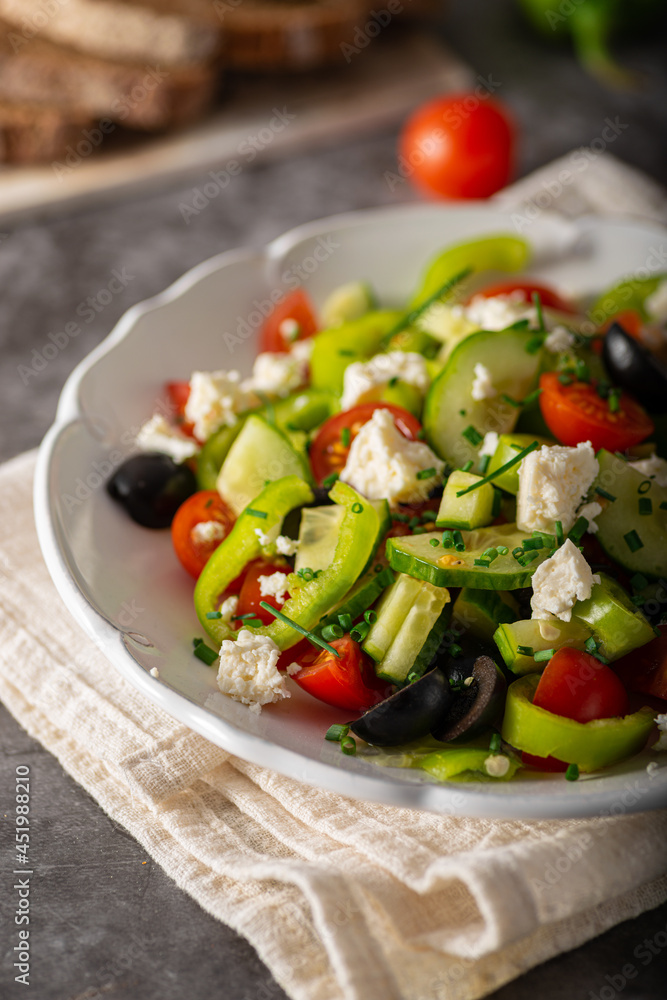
[{"x": 341, "y": 899}]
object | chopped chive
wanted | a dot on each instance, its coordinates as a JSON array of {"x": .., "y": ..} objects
[
  {"x": 577, "y": 532},
  {"x": 242, "y": 618},
  {"x": 315, "y": 639},
  {"x": 533, "y": 345},
  {"x": 348, "y": 746},
  {"x": 472, "y": 435},
  {"x": 196, "y": 641},
  {"x": 214, "y": 614},
  {"x": 633, "y": 541},
  {"x": 537, "y": 302},
  {"x": 462, "y": 413},
  {"x": 602, "y": 659},
  {"x": 558, "y": 528},
  {"x": 426, "y": 473},
  {"x": 205, "y": 653},
  {"x": 490, "y": 554},
  {"x": 582, "y": 370},
  {"x": 503, "y": 468},
  {"x": 345, "y": 435},
  {"x": 447, "y": 540},
  {"x": 420, "y": 434},
  {"x": 645, "y": 505},
  {"x": 208, "y": 503},
  {"x": 525, "y": 650},
  {"x": 393, "y": 381},
  {"x": 409, "y": 318},
  {"x": 543, "y": 654},
  {"x": 360, "y": 631},
  {"x": 427, "y": 515},
  {"x": 603, "y": 493},
  {"x": 511, "y": 401},
  {"x": 518, "y": 551},
  {"x": 638, "y": 581},
  {"x": 370, "y": 617},
  {"x": 614, "y": 400},
  {"x": 434, "y": 542},
  {"x": 644, "y": 486},
  {"x": 459, "y": 544},
  {"x": 345, "y": 622},
  {"x": 637, "y": 600},
  {"x": 531, "y": 397},
  {"x": 482, "y": 562},
  {"x": 467, "y": 467},
  {"x": 528, "y": 557},
  {"x": 253, "y": 622},
  {"x": 332, "y": 632},
  {"x": 484, "y": 463},
  {"x": 402, "y": 518},
  {"x": 602, "y": 389},
  {"x": 419, "y": 530},
  {"x": 532, "y": 543},
  {"x": 412, "y": 677},
  {"x": 591, "y": 644},
  {"x": 256, "y": 513},
  {"x": 330, "y": 480},
  {"x": 357, "y": 508},
  {"x": 413, "y": 522},
  {"x": 455, "y": 650},
  {"x": 495, "y": 743},
  {"x": 549, "y": 540},
  {"x": 502, "y": 550},
  {"x": 347, "y": 354},
  {"x": 572, "y": 773},
  {"x": 565, "y": 378},
  {"x": 336, "y": 733}
]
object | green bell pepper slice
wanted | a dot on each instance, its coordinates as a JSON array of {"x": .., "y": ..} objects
[
  {"x": 591, "y": 745},
  {"x": 356, "y": 340},
  {"x": 464, "y": 764},
  {"x": 630, "y": 294},
  {"x": 494, "y": 253}
]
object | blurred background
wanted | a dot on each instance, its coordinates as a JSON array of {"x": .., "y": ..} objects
[{"x": 138, "y": 138}]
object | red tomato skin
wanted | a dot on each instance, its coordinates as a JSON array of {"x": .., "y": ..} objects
[
  {"x": 206, "y": 505},
  {"x": 577, "y": 686},
  {"x": 645, "y": 669},
  {"x": 575, "y": 413},
  {"x": 295, "y": 305},
  {"x": 548, "y": 296},
  {"x": 179, "y": 393},
  {"x": 324, "y": 461},
  {"x": 459, "y": 146},
  {"x": 250, "y": 594},
  {"x": 551, "y": 764},
  {"x": 347, "y": 682}
]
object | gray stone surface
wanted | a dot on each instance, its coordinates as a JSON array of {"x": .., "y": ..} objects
[{"x": 105, "y": 923}]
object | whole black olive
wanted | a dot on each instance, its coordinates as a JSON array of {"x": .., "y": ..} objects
[
  {"x": 634, "y": 368},
  {"x": 406, "y": 715},
  {"x": 477, "y": 707},
  {"x": 151, "y": 488}
]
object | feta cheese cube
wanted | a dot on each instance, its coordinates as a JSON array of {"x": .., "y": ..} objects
[
  {"x": 559, "y": 340},
  {"x": 276, "y": 374},
  {"x": 274, "y": 585},
  {"x": 302, "y": 350},
  {"x": 215, "y": 400},
  {"x": 552, "y": 483},
  {"x": 653, "y": 467},
  {"x": 286, "y": 546},
  {"x": 159, "y": 435},
  {"x": 500, "y": 311},
  {"x": 362, "y": 377},
  {"x": 482, "y": 386},
  {"x": 560, "y": 581},
  {"x": 248, "y": 670},
  {"x": 489, "y": 444},
  {"x": 228, "y": 608},
  {"x": 590, "y": 511},
  {"x": 267, "y": 538},
  {"x": 205, "y": 532},
  {"x": 382, "y": 464}
]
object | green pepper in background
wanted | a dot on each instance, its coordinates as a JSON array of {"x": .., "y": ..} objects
[
  {"x": 591, "y": 24},
  {"x": 591, "y": 745},
  {"x": 624, "y": 296},
  {"x": 494, "y": 253}
]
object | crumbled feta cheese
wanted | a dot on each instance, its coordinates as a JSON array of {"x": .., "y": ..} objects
[
  {"x": 208, "y": 531},
  {"x": 215, "y": 400},
  {"x": 286, "y": 546},
  {"x": 560, "y": 581},
  {"x": 382, "y": 464},
  {"x": 489, "y": 444},
  {"x": 500, "y": 311},
  {"x": 302, "y": 350},
  {"x": 446, "y": 323},
  {"x": 289, "y": 329},
  {"x": 292, "y": 669},
  {"x": 228, "y": 608},
  {"x": 656, "y": 304},
  {"x": 482, "y": 386},
  {"x": 274, "y": 585},
  {"x": 653, "y": 467},
  {"x": 154, "y": 672},
  {"x": 159, "y": 435},
  {"x": 248, "y": 669},
  {"x": 661, "y": 722},
  {"x": 497, "y": 765},
  {"x": 552, "y": 484},
  {"x": 590, "y": 511},
  {"x": 559, "y": 340},
  {"x": 267, "y": 538},
  {"x": 362, "y": 377},
  {"x": 276, "y": 374}
]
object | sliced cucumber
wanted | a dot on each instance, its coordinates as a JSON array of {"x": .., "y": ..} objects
[
  {"x": 616, "y": 623},
  {"x": 347, "y": 302},
  {"x": 363, "y": 596},
  {"x": 391, "y": 613},
  {"x": 259, "y": 455},
  {"x": 537, "y": 635},
  {"x": 508, "y": 446},
  {"x": 474, "y": 510},
  {"x": 214, "y": 452},
  {"x": 356, "y": 340},
  {"x": 415, "y": 556},
  {"x": 480, "y": 612},
  {"x": 621, "y": 517},
  {"x": 319, "y": 530},
  {"x": 450, "y": 410}
]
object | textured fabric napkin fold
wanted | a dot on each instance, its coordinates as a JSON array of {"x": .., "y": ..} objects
[{"x": 341, "y": 899}]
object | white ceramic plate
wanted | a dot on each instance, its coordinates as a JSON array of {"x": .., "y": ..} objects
[{"x": 122, "y": 582}]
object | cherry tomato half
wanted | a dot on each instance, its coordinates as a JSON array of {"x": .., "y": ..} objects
[
  {"x": 251, "y": 591},
  {"x": 295, "y": 306},
  {"x": 576, "y": 412},
  {"x": 179, "y": 393},
  {"x": 460, "y": 146},
  {"x": 331, "y": 445},
  {"x": 548, "y": 297},
  {"x": 194, "y": 544},
  {"x": 645, "y": 669},
  {"x": 346, "y": 681}
]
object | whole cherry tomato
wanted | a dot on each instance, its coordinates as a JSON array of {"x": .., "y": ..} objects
[{"x": 199, "y": 525}]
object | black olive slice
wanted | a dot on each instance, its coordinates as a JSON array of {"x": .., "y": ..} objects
[
  {"x": 477, "y": 707},
  {"x": 634, "y": 368},
  {"x": 151, "y": 488},
  {"x": 407, "y": 714}
]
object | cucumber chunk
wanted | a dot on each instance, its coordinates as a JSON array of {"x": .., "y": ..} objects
[
  {"x": 621, "y": 517},
  {"x": 391, "y": 613},
  {"x": 508, "y": 446},
  {"x": 319, "y": 529},
  {"x": 474, "y": 510},
  {"x": 363, "y": 595},
  {"x": 616, "y": 623},
  {"x": 536, "y": 635},
  {"x": 259, "y": 455},
  {"x": 347, "y": 302},
  {"x": 414, "y": 555},
  {"x": 480, "y": 612},
  {"x": 450, "y": 409}
]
